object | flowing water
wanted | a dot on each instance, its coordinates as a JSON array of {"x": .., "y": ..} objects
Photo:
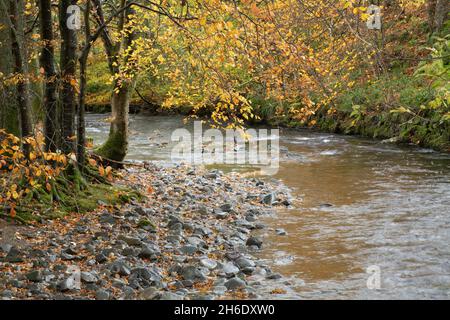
[{"x": 362, "y": 204}]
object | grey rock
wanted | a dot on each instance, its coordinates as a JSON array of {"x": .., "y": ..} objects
[
  {"x": 120, "y": 267},
  {"x": 189, "y": 249},
  {"x": 149, "y": 252},
  {"x": 230, "y": 269},
  {"x": 235, "y": 283},
  {"x": 221, "y": 215},
  {"x": 107, "y": 218},
  {"x": 274, "y": 276},
  {"x": 208, "y": 263},
  {"x": 101, "y": 258},
  {"x": 191, "y": 272},
  {"x": 244, "y": 263},
  {"x": 67, "y": 284},
  {"x": 254, "y": 241},
  {"x": 14, "y": 255},
  {"x": 268, "y": 199},
  {"x": 131, "y": 241},
  {"x": 150, "y": 293},
  {"x": 226, "y": 207},
  {"x": 88, "y": 277},
  {"x": 35, "y": 276},
  {"x": 102, "y": 295},
  {"x": 170, "y": 296},
  {"x": 281, "y": 232}
]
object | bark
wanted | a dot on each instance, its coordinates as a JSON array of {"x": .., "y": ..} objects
[
  {"x": 22, "y": 94},
  {"x": 441, "y": 15},
  {"x": 9, "y": 115},
  {"x": 68, "y": 63},
  {"x": 437, "y": 14},
  {"x": 81, "y": 129},
  {"x": 47, "y": 62}
]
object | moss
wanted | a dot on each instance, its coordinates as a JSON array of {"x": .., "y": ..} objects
[
  {"x": 114, "y": 148},
  {"x": 75, "y": 201}
]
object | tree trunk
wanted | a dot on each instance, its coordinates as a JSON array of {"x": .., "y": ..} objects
[
  {"x": 22, "y": 94},
  {"x": 68, "y": 77},
  {"x": 442, "y": 7},
  {"x": 47, "y": 61},
  {"x": 116, "y": 146},
  {"x": 9, "y": 115}
]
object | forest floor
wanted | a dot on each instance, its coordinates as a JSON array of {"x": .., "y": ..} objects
[{"x": 190, "y": 237}]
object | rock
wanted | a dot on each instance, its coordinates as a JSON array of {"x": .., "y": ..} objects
[
  {"x": 88, "y": 277},
  {"x": 14, "y": 256},
  {"x": 149, "y": 252},
  {"x": 243, "y": 263},
  {"x": 274, "y": 276},
  {"x": 176, "y": 228},
  {"x": 107, "y": 218},
  {"x": 226, "y": 207},
  {"x": 195, "y": 241},
  {"x": 131, "y": 241},
  {"x": 281, "y": 232},
  {"x": 67, "y": 284},
  {"x": 145, "y": 273},
  {"x": 170, "y": 296},
  {"x": 5, "y": 247},
  {"x": 71, "y": 251},
  {"x": 221, "y": 215},
  {"x": 208, "y": 263},
  {"x": 268, "y": 199},
  {"x": 230, "y": 269},
  {"x": 250, "y": 218},
  {"x": 101, "y": 258},
  {"x": 219, "y": 290},
  {"x": 129, "y": 251},
  {"x": 190, "y": 272},
  {"x": 189, "y": 249},
  {"x": 254, "y": 241},
  {"x": 35, "y": 276},
  {"x": 102, "y": 295},
  {"x": 120, "y": 267},
  {"x": 67, "y": 257},
  {"x": 235, "y": 283},
  {"x": 150, "y": 293}
]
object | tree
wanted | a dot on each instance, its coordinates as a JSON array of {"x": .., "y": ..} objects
[
  {"x": 68, "y": 63},
  {"x": 20, "y": 71},
  {"x": 47, "y": 62},
  {"x": 118, "y": 53},
  {"x": 437, "y": 14}
]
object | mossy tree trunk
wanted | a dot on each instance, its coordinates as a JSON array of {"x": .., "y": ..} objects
[
  {"x": 116, "y": 146},
  {"x": 9, "y": 115},
  {"x": 22, "y": 83},
  {"x": 68, "y": 77},
  {"x": 47, "y": 61}
]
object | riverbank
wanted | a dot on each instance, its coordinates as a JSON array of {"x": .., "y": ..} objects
[
  {"x": 190, "y": 238},
  {"x": 427, "y": 132}
]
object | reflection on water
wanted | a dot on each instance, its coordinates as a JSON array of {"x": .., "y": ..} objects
[{"x": 363, "y": 203}]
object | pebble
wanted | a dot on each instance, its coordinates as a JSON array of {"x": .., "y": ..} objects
[{"x": 203, "y": 234}]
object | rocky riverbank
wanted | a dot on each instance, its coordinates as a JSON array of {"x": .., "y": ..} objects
[{"x": 193, "y": 237}]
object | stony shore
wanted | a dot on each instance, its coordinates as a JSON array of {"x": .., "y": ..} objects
[{"x": 192, "y": 237}]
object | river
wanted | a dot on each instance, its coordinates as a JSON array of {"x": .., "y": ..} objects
[{"x": 361, "y": 204}]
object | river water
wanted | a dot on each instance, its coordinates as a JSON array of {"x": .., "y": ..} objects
[{"x": 364, "y": 211}]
